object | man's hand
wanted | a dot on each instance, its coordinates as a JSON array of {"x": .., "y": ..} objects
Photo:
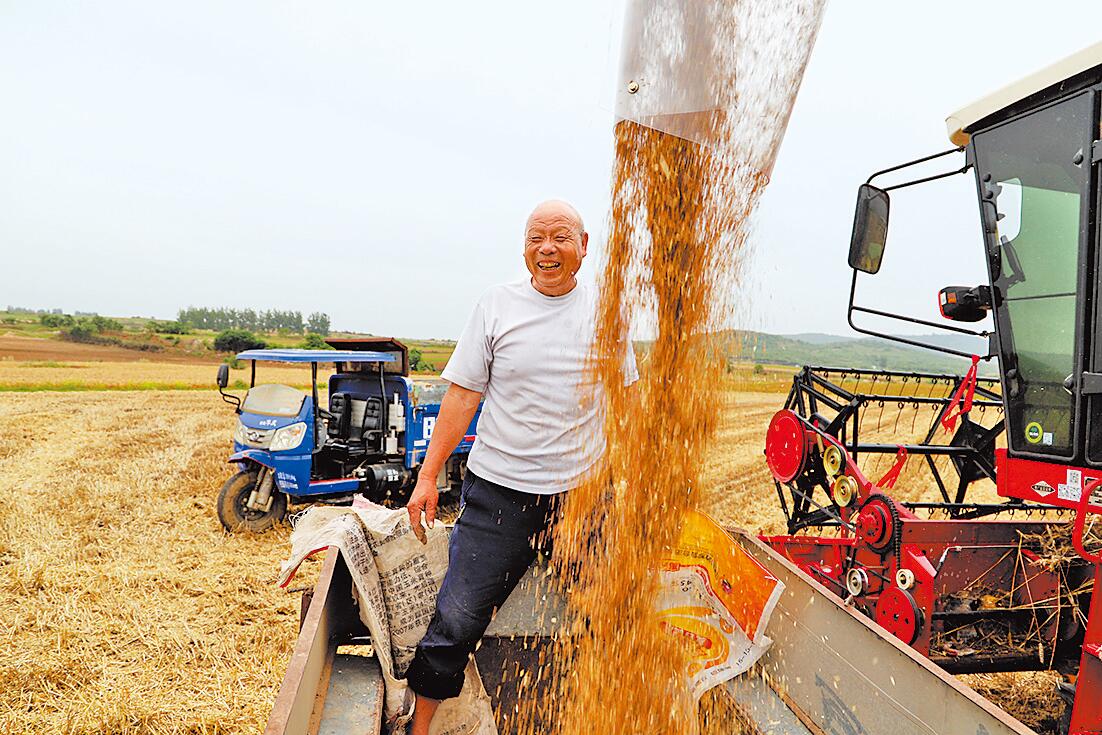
[
  {"x": 456, "y": 411},
  {"x": 424, "y": 499}
]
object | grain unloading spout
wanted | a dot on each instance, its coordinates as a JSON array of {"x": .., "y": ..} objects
[{"x": 709, "y": 80}]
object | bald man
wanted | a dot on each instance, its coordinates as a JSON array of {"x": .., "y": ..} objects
[{"x": 524, "y": 350}]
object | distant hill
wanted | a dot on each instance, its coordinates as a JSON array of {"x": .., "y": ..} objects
[
  {"x": 859, "y": 352},
  {"x": 817, "y": 338},
  {"x": 810, "y": 348}
]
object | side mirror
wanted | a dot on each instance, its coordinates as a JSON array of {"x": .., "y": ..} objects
[
  {"x": 223, "y": 376},
  {"x": 963, "y": 304},
  {"x": 870, "y": 229}
]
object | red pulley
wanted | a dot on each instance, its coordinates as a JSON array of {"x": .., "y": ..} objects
[
  {"x": 875, "y": 525},
  {"x": 785, "y": 446},
  {"x": 899, "y": 614}
]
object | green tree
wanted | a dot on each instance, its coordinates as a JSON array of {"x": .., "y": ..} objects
[
  {"x": 54, "y": 321},
  {"x": 171, "y": 327},
  {"x": 318, "y": 323},
  {"x": 417, "y": 361},
  {"x": 315, "y": 342},
  {"x": 237, "y": 340},
  {"x": 105, "y": 324},
  {"x": 270, "y": 320},
  {"x": 81, "y": 332}
]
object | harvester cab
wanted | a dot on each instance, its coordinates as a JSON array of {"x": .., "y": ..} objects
[
  {"x": 370, "y": 438},
  {"x": 963, "y": 582},
  {"x": 1034, "y": 151}
]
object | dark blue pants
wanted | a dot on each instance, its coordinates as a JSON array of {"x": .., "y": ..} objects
[{"x": 494, "y": 541}]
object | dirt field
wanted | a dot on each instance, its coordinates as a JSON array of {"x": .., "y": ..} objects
[
  {"x": 14, "y": 347},
  {"x": 191, "y": 350},
  {"x": 126, "y": 609},
  {"x": 140, "y": 375}
]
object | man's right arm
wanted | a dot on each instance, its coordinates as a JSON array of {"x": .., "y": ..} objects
[{"x": 456, "y": 411}]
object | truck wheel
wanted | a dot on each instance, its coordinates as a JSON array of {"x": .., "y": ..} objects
[{"x": 231, "y": 505}]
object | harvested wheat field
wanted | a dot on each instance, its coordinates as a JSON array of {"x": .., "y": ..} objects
[{"x": 127, "y": 609}]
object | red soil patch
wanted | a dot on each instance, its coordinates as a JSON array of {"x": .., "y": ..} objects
[{"x": 38, "y": 349}]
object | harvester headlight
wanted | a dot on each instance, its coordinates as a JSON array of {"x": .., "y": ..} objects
[
  {"x": 289, "y": 437},
  {"x": 239, "y": 434}
]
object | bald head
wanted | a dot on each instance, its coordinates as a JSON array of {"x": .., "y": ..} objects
[
  {"x": 556, "y": 208},
  {"x": 555, "y": 242}
]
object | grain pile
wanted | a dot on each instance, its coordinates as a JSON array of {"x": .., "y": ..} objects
[{"x": 678, "y": 237}]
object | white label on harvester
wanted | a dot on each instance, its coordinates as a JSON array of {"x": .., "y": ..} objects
[
  {"x": 1046, "y": 438},
  {"x": 1073, "y": 488}
]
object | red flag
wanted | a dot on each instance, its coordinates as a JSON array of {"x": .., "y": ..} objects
[
  {"x": 892, "y": 474},
  {"x": 961, "y": 402}
]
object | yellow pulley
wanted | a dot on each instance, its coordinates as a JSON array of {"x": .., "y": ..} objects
[
  {"x": 834, "y": 460},
  {"x": 844, "y": 490}
]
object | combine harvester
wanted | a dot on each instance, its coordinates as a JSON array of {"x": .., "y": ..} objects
[
  {"x": 879, "y": 612},
  {"x": 976, "y": 587}
]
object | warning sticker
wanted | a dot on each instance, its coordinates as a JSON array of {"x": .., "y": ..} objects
[
  {"x": 1042, "y": 488},
  {"x": 1073, "y": 488}
]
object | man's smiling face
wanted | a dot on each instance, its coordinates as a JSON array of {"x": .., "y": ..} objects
[{"x": 554, "y": 245}]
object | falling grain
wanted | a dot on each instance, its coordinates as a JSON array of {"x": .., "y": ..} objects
[{"x": 680, "y": 221}]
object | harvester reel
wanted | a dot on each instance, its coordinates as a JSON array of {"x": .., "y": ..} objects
[
  {"x": 899, "y": 614},
  {"x": 982, "y": 464}
]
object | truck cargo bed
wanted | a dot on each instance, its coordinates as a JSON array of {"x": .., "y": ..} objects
[{"x": 829, "y": 670}]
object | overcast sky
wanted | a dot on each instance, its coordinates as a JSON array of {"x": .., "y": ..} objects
[{"x": 376, "y": 161}]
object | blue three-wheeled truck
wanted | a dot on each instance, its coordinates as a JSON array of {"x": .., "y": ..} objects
[{"x": 371, "y": 439}]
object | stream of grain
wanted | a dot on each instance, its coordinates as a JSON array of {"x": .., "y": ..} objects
[{"x": 686, "y": 179}]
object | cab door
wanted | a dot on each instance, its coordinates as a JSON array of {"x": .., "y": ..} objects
[
  {"x": 1034, "y": 178},
  {"x": 1089, "y": 383}
]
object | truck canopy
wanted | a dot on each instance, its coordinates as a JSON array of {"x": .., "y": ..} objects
[
  {"x": 389, "y": 345},
  {"x": 292, "y": 355}
]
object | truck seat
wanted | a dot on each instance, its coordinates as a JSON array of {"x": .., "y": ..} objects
[{"x": 354, "y": 416}]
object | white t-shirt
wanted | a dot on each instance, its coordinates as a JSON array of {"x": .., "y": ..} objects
[{"x": 541, "y": 426}]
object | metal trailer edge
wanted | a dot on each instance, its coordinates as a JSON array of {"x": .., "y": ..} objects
[{"x": 829, "y": 670}]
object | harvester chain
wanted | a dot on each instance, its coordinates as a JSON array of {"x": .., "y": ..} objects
[{"x": 897, "y": 532}]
